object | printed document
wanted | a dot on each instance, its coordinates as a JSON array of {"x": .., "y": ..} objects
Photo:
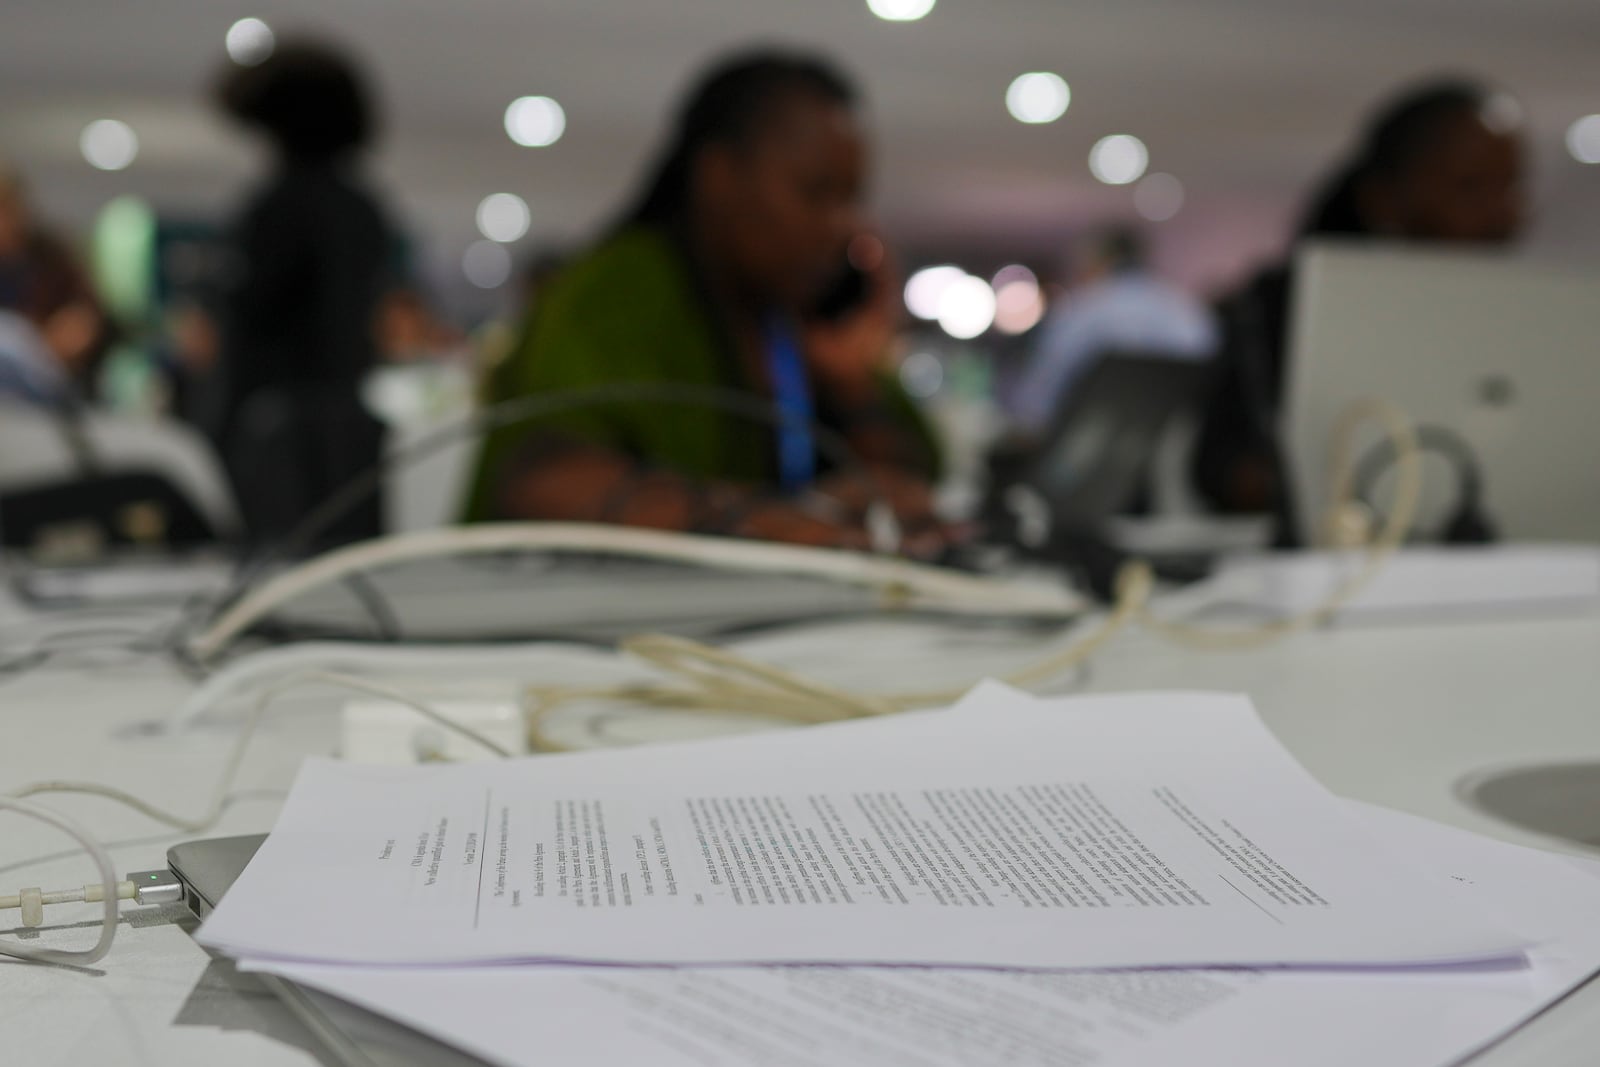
[
  {"x": 901, "y": 1017},
  {"x": 1150, "y": 830}
]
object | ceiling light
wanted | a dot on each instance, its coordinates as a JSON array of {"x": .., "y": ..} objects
[
  {"x": 1502, "y": 113},
  {"x": 1015, "y": 272},
  {"x": 1018, "y": 305},
  {"x": 486, "y": 264},
  {"x": 966, "y": 307},
  {"x": 535, "y": 121},
  {"x": 1038, "y": 97},
  {"x": 926, "y": 288},
  {"x": 249, "y": 41},
  {"x": 503, "y": 217},
  {"x": 1158, "y": 197},
  {"x": 1118, "y": 159},
  {"x": 1583, "y": 139},
  {"x": 900, "y": 10},
  {"x": 109, "y": 144},
  {"x": 921, "y": 375}
]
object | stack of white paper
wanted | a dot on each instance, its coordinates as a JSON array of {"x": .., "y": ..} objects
[{"x": 1140, "y": 831}]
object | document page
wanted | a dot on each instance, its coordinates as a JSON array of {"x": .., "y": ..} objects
[
  {"x": 1130, "y": 831},
  {"x": 897, "y": 1017}
]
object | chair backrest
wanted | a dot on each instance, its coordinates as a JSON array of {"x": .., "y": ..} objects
[
  {"x": 40, "y": 447},
  {"x": 1095, "y": 457},
  {"x": 84, "y": 518}
]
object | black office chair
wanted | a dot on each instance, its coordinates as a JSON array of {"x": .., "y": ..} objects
[
  {"x": 100, "y": 508},
  {"x": 1094, "y": 461},
  {"x": 101, "y": 513}
]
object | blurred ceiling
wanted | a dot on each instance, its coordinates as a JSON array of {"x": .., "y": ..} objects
[{"x": 1246, "y": 101}]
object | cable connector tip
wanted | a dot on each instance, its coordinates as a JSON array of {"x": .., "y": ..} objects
[{"x": 156, "y": 887}]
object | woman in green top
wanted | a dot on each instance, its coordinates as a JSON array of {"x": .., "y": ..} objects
[{"x": 707, "y": 283}]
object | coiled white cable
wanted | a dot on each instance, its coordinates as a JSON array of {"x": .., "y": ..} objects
[
  {"x": 1397, "y": 527},
  {"x": 720, "y": 681},
  {"x": 108, "y": 878},
  {"x": 714, "y": 680}
]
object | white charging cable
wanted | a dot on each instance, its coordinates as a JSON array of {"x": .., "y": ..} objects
[
  {"x": 235, "y": 757},
  {"x": 31, "y": 902},
  {"x": 703, "y": 678},
  {"x": 716, "y": 680},
  {"x": 899, "y": 583}
]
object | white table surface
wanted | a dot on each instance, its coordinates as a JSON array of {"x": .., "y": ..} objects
[{"x": 1393, "y": 715}]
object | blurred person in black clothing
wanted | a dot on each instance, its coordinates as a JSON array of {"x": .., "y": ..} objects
[
  {"x": 314, "y": 255},
  {"x": 1440, "y": 164}
]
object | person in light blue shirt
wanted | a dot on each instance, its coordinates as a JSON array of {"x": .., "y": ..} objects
[
  {"x": 1116, "y": 306},
  {"x": 28, "y": 372}
]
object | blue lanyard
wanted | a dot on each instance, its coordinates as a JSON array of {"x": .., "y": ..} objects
[{"x": 791, "y": 393}]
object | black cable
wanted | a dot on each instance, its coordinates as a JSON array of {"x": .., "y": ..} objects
[
  {"x": 384, "y": 618},
  {"x": 160, "y": 638},
  {"x": 130, "y": 641}
]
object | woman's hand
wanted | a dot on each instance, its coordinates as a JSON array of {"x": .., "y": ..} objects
[
  {"x": 791, "y": 524},
  {"x": 846, "y": 355},
  {"x": 923, "y": 533}
]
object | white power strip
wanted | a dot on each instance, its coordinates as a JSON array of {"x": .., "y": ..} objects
[{"x": 386, "y": 732}]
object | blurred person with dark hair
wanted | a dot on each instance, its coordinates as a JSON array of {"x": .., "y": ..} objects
[
  {"x": 314, "y": 259},
  {"x": 713, "y": 279},
  {"x": 1440, "y": 164},
  {"x": 1115, "y": 304},
  {"x": 42, "y": 282}
]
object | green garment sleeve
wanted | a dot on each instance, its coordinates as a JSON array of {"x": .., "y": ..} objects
[{"x": 626, "y": 313}]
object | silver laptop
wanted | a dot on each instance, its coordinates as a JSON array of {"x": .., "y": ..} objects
[
  {"x": 346, "y": 1034},
  {"x": 1504, "y": 354}
]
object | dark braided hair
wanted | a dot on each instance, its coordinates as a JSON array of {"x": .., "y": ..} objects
[
  {"x": 308, "y": 97},
  {"x": 1396, "y": 137},
  {"x": 729, "y": 106}
]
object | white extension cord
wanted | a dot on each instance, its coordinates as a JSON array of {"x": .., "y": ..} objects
[{"x": 901, "y": 585}]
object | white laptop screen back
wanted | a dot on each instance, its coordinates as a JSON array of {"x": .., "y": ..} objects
[{"x": 1504, "y": 354}]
